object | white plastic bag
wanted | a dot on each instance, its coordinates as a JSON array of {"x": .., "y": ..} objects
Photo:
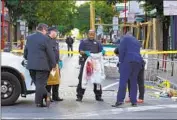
[{"x": 98, "y": 70}]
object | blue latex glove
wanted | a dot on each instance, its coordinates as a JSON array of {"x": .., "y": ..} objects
[
  {"x": 103, "y": 52},
  {"x": 60, "y": 64},
  {"x": 87, "y": 53}
]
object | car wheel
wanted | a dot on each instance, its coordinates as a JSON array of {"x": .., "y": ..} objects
[{"x": 10, "y": 88}]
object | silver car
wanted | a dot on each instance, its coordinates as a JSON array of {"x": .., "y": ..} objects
[{"x": 15, "y": 79}]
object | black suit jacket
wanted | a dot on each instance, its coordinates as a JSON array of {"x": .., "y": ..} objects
[{"x": 38, "y": 51}]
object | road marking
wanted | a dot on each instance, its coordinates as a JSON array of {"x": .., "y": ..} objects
[
  {"x": 119, "y": 111},
  {"x": 102, "y": 113},
  {"x": 108, "y": 86}
]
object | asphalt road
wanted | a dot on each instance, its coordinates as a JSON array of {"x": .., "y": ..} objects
[{"x": 153, "y": 108}]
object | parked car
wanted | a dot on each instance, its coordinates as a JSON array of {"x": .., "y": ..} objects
[{"x": 15, "y": 79}]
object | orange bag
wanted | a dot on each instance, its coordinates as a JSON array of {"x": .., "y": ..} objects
[{"x": 54, "y": 80}]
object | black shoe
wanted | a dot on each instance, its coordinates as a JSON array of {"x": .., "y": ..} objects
[
  {"x": 118, "y": 104},
  {"x": 40, "y": 105},
  {"x": 99, "y": 99},
  {"x": 58, "y": 99},
  {"x": 79, "y": 99},
  {"x": 134, "y": 105}
]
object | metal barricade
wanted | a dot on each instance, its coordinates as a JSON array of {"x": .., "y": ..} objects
[
  {"x": 110, "y": 67},
  {"x": 161, "y": 73}
]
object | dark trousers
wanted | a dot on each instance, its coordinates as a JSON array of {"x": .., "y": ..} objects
[
  {"x": 80, "y": 92},
  {"x": 55, "y": 92},
  {"x": 40, "y": 80},
  {"x": 140, "y": 84},
  {"x": 70, "y": 48},
  {"x": 128, "y": 70}
]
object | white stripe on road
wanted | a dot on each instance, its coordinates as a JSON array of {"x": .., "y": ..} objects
[
  {"x": 102, "y": 113},
  {"x": 108, "y": 86},
  {"x": 120, "y": 110}
]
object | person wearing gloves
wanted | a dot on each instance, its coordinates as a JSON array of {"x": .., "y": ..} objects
[
  {"x": 87, "y": 46},
  {"x": 54, "y": 81},
  {"x": 130, "y": 65}
]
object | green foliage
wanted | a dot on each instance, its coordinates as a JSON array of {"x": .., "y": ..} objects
[
  {"x": 15, "y": 9},
  {"x": 56, "y": 13},
  {"x": 82, "y": 18},
  {"x": 102, "y": 9},
  {"x": 29, "y": 13}
]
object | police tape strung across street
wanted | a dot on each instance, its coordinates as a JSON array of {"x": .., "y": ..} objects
[
  {"x": 163, "y": 84},
  {"x": 111, "y": 53}
]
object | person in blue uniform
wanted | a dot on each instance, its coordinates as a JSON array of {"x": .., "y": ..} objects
[
  {"x": 140, "y": 81},
  {"x": 54, "y": 85},
  {"x": 130, "y": 65},
  {"x": 86, "y": 47}
]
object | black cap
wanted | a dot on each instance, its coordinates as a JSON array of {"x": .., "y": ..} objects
[{"x": 52, "y": 29}]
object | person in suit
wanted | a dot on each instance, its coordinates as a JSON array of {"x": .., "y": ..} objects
[
  {"x": 40, "y": 61},
  {"x": 53, "y": 82},
  {"x": 130, "y": 64},
  {"x": 140, "y": 81}
]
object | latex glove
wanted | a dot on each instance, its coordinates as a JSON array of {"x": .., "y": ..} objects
[
  {"x": 87, "y": 53},
  {"x": 60, "y": 64},
  {"x": 103, "y": 52}
]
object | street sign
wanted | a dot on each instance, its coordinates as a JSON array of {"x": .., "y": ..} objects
[
  {"x": 22, "y": 28},
  {"x": 170, "y": 8},
  {"x": 22, "y": 23},
  {"x": 131, "y": 17},
  {"x": 115, "y": 22}
]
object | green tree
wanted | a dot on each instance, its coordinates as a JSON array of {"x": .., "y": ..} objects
[
  {"x": 24, "y": 10},
  {"x": 56, "y": 13},
  {"x": 102, "y": 10},
  {"x": 82, "y": 18},
  {"x": 29, "y": 13},
  {"x": 15, "y": 12},
  {"x": 105, "y": 12}
]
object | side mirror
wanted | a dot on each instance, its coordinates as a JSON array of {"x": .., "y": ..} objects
[{"x": 24, "y": 63}]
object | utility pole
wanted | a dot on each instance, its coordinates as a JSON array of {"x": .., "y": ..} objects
[{"x": 92, "y": 15}]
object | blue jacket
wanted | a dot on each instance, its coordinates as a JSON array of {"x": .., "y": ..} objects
[
  {"x": 55, "y": 47},
  {"x": 129, "y": 50},
  {"x": 90, "y": 45}
]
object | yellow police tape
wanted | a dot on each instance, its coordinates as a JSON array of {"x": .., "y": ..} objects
[
  {"x": 165, "y": 84},
  {"x": 109, "y": 53}
]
